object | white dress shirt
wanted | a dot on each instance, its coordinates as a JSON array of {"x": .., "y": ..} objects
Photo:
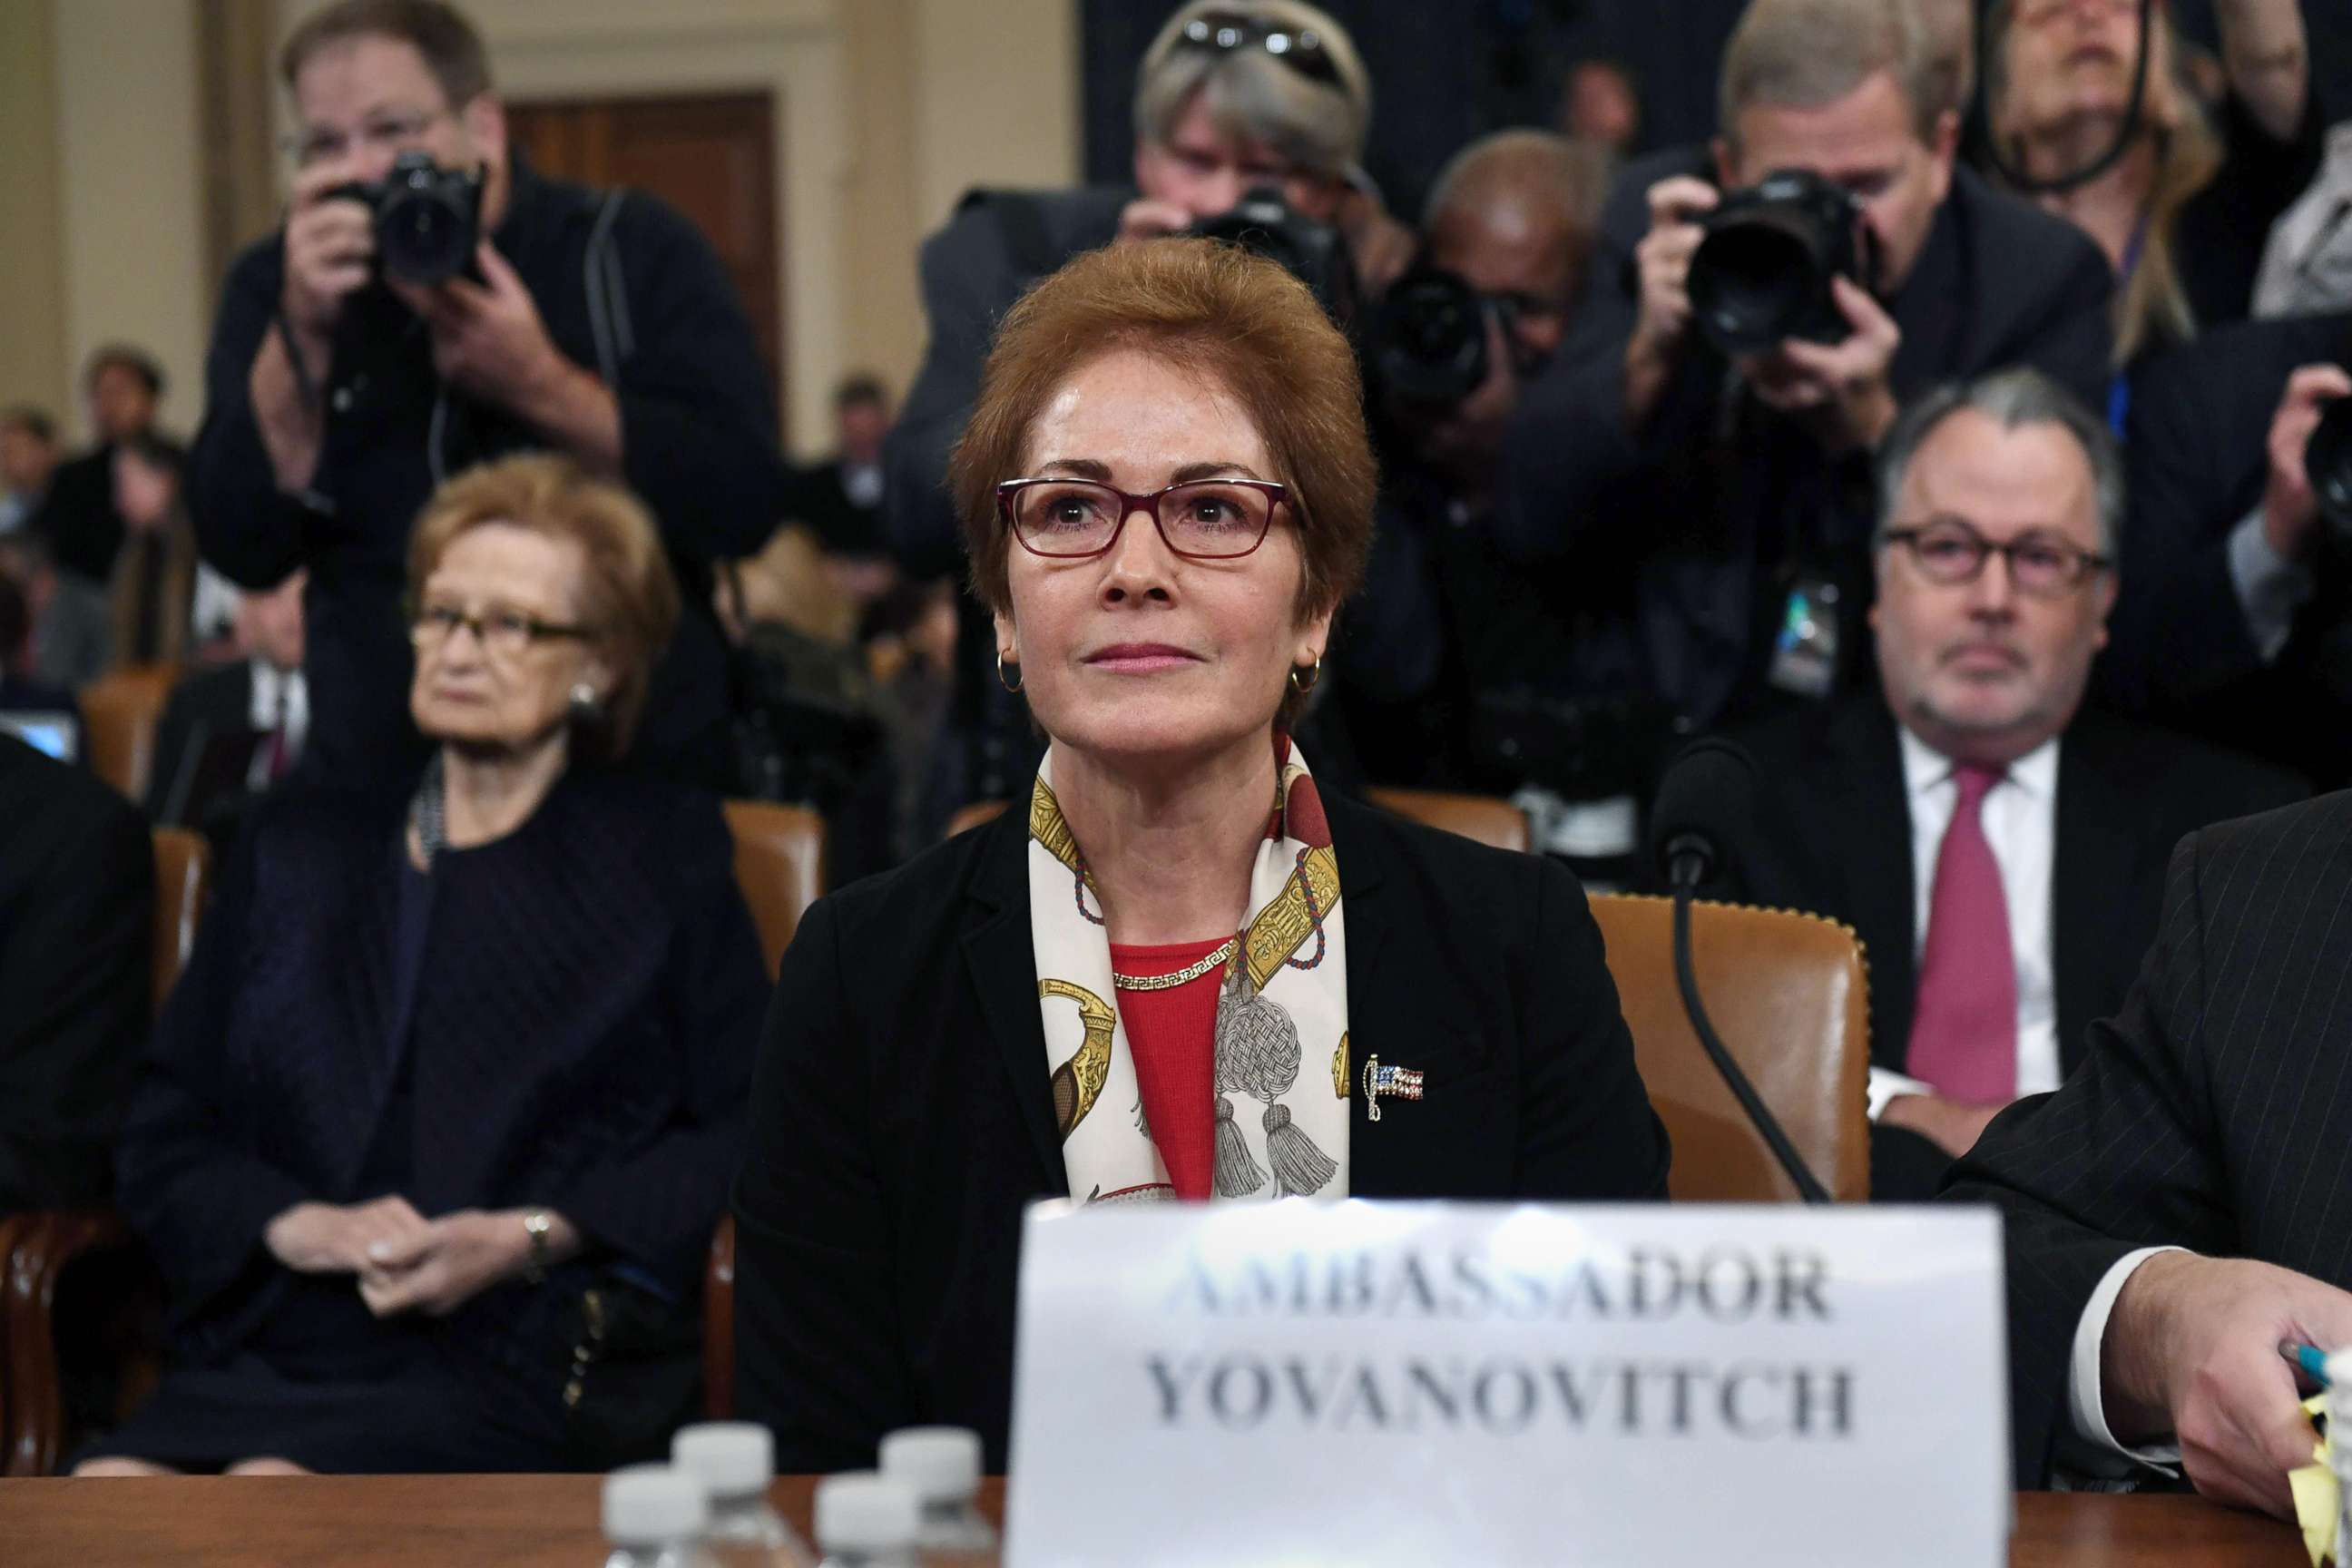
[{"x": 2020, "y": 816}]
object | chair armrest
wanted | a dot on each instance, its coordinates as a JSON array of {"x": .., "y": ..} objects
[
  {"x": 719, "y": 1325},
  {"x": 40, "y": 1246}
]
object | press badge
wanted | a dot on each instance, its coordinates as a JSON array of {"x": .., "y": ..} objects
[{"x": 1805, "y": 647}]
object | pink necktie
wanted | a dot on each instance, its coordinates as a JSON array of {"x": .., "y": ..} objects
[{"x": 1963, "y": 1029}]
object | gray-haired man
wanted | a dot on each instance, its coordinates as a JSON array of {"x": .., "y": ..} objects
[{"x": 2000, "y": 851}]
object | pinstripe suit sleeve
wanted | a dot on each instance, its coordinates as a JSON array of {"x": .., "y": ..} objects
[{"x": 2127, "y": 1153}]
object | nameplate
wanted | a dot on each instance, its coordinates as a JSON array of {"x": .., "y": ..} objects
[{"x": 1420, "y": 1383}]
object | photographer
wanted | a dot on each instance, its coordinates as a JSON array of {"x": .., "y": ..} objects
[
  {"x": 1740, "y": 468},
  {"x": 2237, "y": 625},
  {"x": 1456, "y": 668},
  {"x": 341, "y": 386},
  {"x": 1233, "y": 95}
]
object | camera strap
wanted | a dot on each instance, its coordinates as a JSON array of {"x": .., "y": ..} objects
[{"x": 608, "y": 298}]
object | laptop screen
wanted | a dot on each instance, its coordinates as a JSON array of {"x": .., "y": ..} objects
[{"x": 50, "y": 733}]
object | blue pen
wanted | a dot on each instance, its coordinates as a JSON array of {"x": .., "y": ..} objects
[{"x": 2313, "y": 1362}]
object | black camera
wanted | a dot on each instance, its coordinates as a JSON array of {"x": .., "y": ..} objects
[
  {"x": 1264, "y": 224},
  {"x": 2328, "y": 463},
  {"x": 1762, "y": 274},
  {"x": 1429, "y": 337},
  {"x": 427, "y": 218}
]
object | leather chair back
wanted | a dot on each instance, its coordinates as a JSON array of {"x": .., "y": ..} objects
[
  {"x": 1789, "y": 996},
  {"x": 120, "y": 711},
  {"x": 1495, "y": 823},
  {"x": 967, "y": 817},
  {"x": 779, "y": 861},
  {"x": 182, "y": 874}
]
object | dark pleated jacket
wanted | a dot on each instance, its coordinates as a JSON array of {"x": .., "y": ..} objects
[{"x": 586, "y": 1011}]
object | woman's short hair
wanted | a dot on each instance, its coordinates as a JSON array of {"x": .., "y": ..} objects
[
  {"x": 1251, "y": 92},
  {"x": 628, "y": 598},
  {"x": 1217, "y": 313}
]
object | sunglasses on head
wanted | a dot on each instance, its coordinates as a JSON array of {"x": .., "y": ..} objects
[{"x": 1222, "y": 32}]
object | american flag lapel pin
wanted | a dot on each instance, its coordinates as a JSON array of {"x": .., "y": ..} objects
[{"x": 1397, "y": 1083}]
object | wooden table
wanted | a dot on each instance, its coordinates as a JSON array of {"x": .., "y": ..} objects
[{"x": 526, "y": 1522}]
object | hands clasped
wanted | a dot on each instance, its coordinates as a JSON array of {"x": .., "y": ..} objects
[{"x": 404, "y": 1261}]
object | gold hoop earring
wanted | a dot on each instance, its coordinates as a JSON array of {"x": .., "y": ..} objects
[
  {"x": 1314, "y": 679},
  {"x": 1008, "y": 686}
]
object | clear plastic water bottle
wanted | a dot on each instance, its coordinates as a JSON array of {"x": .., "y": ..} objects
[
  {"x": 735, "y": 1461},
  {"x": 942, "y": 1465},
  {"x": 653, "y": 1518},
  {"x": 866, "y": 1520}
]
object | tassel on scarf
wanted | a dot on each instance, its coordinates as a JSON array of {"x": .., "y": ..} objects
[
  {"x": 1301, "y": 1169},
  {"x": 1238, "y": 1176}
]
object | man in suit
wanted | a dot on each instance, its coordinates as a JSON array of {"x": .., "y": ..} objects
[
  {"x": 1999, "y": 851},
  {"x": 124, "y": 387},
  {"x": 842, "y": 498},
  {"x": 1742, "y": 480},
  {"x": 2170, "y": 1211},
  {"x": 2236, "y": 624},
  {"x": 76, "y": 918},
  {"x": 262, "y": 696}
]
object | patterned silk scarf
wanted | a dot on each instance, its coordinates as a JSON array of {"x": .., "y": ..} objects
[{"x": 1282, "y": 1016}]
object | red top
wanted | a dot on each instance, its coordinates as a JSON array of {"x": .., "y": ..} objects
[{"x": 1173, "y": 1033}]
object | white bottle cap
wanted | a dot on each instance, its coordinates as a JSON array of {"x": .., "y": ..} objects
[
  {"x": 652, "y": 1505},
  {"x": 865, "y": 1511},
  {"x": 942, "y": 1463},
  {"x": 730, "y": 1457}
]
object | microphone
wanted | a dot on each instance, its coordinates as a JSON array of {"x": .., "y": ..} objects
[{"x": 1707, "y": 803}]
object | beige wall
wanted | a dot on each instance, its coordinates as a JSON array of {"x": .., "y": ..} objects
[
  {"x": 131, "y": 236},
  {"x": 32, "y": 325},
  {"x": 886, "y": 111}
]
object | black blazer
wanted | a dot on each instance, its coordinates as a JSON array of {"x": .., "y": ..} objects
[
  {"x": 1833, "y": 835},
  {"x": 77, "y": 924},
  {"x": 900, "y": 1117},
  {"x": 77, "y": 516},
  {"x": 581, "y": 1003},
  {"x": 2212, "y": 1113}
]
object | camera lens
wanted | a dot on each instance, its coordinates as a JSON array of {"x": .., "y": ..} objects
[
  {"x": 2327, "y": 461},
  {"x": 1762, "y": 274},
  {"x": 1750, "y": 284},
  {"x": 1432, "y": 339}
]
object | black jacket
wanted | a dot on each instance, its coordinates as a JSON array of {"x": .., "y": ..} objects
[
  {"x": 900, "y": 1115},
  {"x": 581, "y": 998},
  {"x": 77, "y": 941},
  {"x": 1831, "y": 835},
  {"x": 207, "y": 703},
  {"x": 2211, "y": 1112},
  {"x": 2199, "y": 428},
  {"x": 77, "y": 515},
  {"x": 1717, "y": 500},
  {"x": 697, "y": 436}
]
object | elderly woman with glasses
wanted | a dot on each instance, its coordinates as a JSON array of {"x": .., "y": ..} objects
[
  {"x": 1177, "y": 969},
  {"x": 436, "y": 1128}
]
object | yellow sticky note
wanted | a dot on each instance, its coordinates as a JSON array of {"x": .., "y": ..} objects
[{"x": 2316, "y": 1495}]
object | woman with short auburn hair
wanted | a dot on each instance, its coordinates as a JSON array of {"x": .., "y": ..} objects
[
  {"x": 1147, "y": 983},
  {"x": 436, "y": 1127}
]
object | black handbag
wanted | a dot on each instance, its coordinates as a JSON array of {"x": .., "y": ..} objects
[{"x": 632, "y": 1374}]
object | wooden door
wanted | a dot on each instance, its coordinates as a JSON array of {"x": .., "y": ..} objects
[{"x": 713, "y": 157}]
